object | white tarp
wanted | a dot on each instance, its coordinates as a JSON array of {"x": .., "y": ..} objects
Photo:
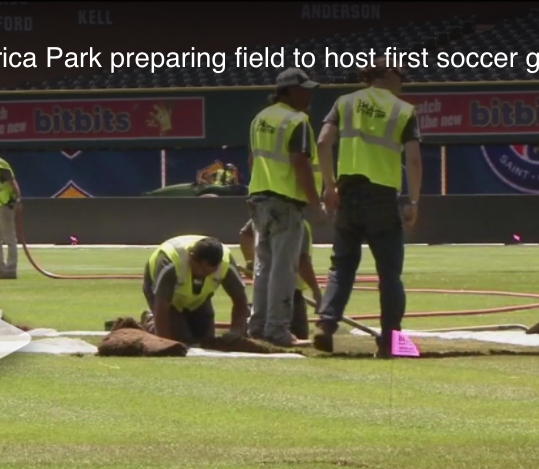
[
  {"x": 498, "y": 337},
  {"x": 50, "y": 341}
]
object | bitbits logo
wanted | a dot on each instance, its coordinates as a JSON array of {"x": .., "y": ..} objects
[
  {"x": 515, "y": 165},
  {"x": 12, "y": 339}
]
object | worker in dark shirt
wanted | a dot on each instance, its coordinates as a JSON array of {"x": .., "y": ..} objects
[
  {"x": 10, "y": 202},
  {"x": 372, "y": 126},
  {"x": 180, "y": 279}
]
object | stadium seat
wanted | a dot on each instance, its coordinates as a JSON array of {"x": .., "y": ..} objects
[{"x": 455, "y": 34}]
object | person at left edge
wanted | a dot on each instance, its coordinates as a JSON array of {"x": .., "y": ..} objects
[
  {"x": 180, "y": 279},
  {"x": 10, "y": 202}
]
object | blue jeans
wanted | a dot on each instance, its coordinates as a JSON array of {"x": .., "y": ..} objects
[{"x": 358, "y": 219}]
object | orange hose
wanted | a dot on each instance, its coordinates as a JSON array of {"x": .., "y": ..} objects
[{"x": 323, "y": 281}]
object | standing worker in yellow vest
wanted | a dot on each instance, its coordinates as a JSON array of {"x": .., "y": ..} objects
[
  {"x": 373, "y": 126},
  {"x": 180, "y": 279},
  {"x": 284, "y": 164},
  {"x": 306, "y": 278},
  {"x": 10, "y": 201}
]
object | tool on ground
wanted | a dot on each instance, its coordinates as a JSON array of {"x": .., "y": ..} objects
[
  {"x": 534, "y": 329},
  {"x": 348, "y": 320}
]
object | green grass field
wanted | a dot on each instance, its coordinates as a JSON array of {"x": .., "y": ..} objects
[{"x": 319, "y": 413}]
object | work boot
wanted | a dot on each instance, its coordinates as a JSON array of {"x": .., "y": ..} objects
[
  {"x": 323, "y": 339},
  {"x": 383, "y": 351}
]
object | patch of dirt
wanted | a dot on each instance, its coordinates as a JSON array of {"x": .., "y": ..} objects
[
  {"x": 348, "y": 346},
  {"x": 242, "y": 345}
]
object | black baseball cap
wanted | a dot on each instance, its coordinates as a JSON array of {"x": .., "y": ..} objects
[{"x": 295, "y": 77}]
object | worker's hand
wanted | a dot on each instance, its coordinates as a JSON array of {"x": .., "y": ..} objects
[
  {"x": 318, "y": 214},
  {"x": 331, "y": 199},
  {"x": 410, "y": 215}
]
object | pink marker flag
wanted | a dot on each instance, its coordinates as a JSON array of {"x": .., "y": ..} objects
[{"x": 402, "y": 346}]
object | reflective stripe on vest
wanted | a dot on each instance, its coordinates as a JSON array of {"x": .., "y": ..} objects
[
  {"x": 177, "y": 250},
  {"x": 280, "y": 143},
  {"x": 386, "y": 141},
  {"x": 369, "y": 136},
  {"x": 7, "y": 192}
]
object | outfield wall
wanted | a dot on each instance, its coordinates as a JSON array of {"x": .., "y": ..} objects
[{"x": 443, "y": 219}]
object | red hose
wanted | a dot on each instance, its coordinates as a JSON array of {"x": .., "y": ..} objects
[{"x": 323, "y": 280}]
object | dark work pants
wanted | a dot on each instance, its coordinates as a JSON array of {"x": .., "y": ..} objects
[
  {"x": 300, "y": 320},
  {"x": 360, "y": 218}
]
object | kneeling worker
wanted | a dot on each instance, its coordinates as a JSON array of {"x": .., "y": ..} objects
[
  {"x": 305, "y": 280},
  {"x": 180, "y": 279}
]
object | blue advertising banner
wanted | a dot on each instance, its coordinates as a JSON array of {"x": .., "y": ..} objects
[
  {"x": 132, "y": 173},
  {"x": 85, "y": 173},
  {"x": 493, "y": 169},
  {"x": 473, "y": 169}
]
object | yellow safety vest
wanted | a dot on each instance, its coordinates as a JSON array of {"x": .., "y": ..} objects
[
  {"x": 300, "y": 283},
  {"x": 271, "y": 130},
  {"x": 6, "y": 191},
  {"x": 177, "y": 250},
  {"x": 371, "y": 123}
]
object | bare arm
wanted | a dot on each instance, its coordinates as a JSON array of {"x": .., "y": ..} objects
[
  {"x": 300, "y": 154},
  {"x": 414, "y": 169},
  {"x": 305, "y": 177},
  {"x": 247, "y": 242},
  {"x": 306, "y": 271},
  {"x": 326, "y": 140},
  {"x": 164, "y": 292},
  {"x": 160, "y": 312},
  {"x": 235, "y": 289},
  {"x": 411, "y": 139}
]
